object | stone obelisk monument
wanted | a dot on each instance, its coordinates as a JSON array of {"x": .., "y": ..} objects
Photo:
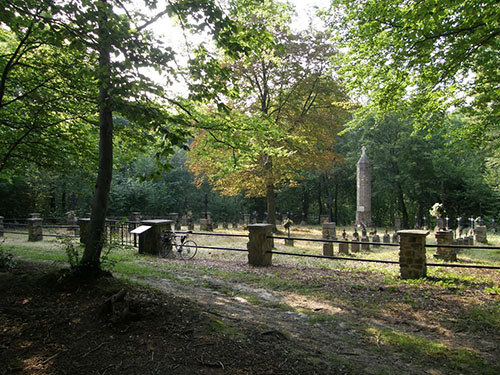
[{"x": 364, "y": 194}]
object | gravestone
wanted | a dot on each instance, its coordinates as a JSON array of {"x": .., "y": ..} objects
[
  {"x": 480, "y": 234},
  {"x": 448, "y": 254},
  {"x": 355, "y": 238},
  {"x": 328, "y": 233},
  {"x": 364, "y": 238},
  {"x": 386, "y": 238},
  {"x": 395, "y": 237},
  {"x": 376, "y": 237},
  {"x": 246, "y": 220},
  {"x": 206, "y": 225},
  {"x": 190, "y": 222},
  {"x": 344, "y": 246}
]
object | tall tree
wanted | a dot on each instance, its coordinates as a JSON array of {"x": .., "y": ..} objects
[
  {"x": 114, "y": 39},
  {"x": 283, "y": 122},
  {"x": 432, "y": 55}
]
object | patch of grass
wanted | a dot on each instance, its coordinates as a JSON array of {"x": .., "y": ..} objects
[
  {"x": 485, "y": 319},
  {"x": 429, "y": 353}
]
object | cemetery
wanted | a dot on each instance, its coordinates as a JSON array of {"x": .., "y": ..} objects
[{"x": 249, "y": 187}]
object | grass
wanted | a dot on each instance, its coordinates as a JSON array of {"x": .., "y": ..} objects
[
  {"x": 427, "y": 352},
  {"x": 455, "y": 300}
]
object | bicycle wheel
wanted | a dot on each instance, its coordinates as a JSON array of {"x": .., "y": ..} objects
[
  {"x": 188, "y": 249},
  {"x": 165, "y": 246}
]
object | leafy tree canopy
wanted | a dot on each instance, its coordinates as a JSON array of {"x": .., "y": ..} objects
[{"x": 429, "y": 56}]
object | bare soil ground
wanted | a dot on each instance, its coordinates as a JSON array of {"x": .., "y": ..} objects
[{"x": 301, "y": 321}]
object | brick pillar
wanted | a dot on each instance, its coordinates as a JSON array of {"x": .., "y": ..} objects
[
  {"x": 328, "y": 233},
  {"x": 258, "y": 244},
  {"x": 152, "y": 237},
  {"x": 35, "y": 232},
  {"x": 412, "y": 260},
  {"x": 449, "y": 254},
  {"x": 84, "y": 224},
  {"x": 1, "y": 226}
]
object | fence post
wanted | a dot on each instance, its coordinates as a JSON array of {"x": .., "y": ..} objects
[
  {"x": 412, "y": 259},
  {"x": 1, "y": 226},
  {"x": 84, "y": 224},
  {"x": 259, "y": 244},
  {"x": 35, "y": 232},
  {"x": 152, "y": 237}
]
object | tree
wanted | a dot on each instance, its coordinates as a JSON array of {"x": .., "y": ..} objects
[
  {"x": 116, "y": 49},
  {"x": 45, "y": 114},
  {"x": 283, "y": 121},
  {"x": 431, "y": 56}
]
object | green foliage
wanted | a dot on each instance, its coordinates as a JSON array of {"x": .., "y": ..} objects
[
  {"x": 72, "y": 250},
  {"x": 6, "y": 260},
  {"x": 432, "y": 55}
]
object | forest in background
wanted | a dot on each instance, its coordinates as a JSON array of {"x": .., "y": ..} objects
[{"x": 411, "y": 172}]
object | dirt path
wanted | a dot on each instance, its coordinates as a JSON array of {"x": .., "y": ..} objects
[{"x": 329, "y": 333}]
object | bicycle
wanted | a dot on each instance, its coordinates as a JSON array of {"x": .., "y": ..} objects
[{"x": 184, "y": 248}]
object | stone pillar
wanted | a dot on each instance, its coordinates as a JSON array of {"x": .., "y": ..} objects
[
  {"x": 258, "y": 244},
  {"x": 152, "y": 237},
  {"x": 412, "y": 259},
  {"x": 449, "y": 254},
  {"x": 363, "y": 190},
  {"x": 480, "y": 234},
  {"x": 1, "y": 226},
  {"x": 35, "y": 232},
  {"x": 84, "y": 224},
  {"x": 328, "y": 233},
  {"x": 136, "y": 217}
]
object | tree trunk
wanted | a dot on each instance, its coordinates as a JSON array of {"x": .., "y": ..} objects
[
  {"x": 91, "y": 258},
  {"x": 320, "y": 203},
  {"x": 402, "y": 208},
  {"x": 335, "y": 199},
  {"x": 305, "y": 203},
  {"x": 271, "y": 206}
]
